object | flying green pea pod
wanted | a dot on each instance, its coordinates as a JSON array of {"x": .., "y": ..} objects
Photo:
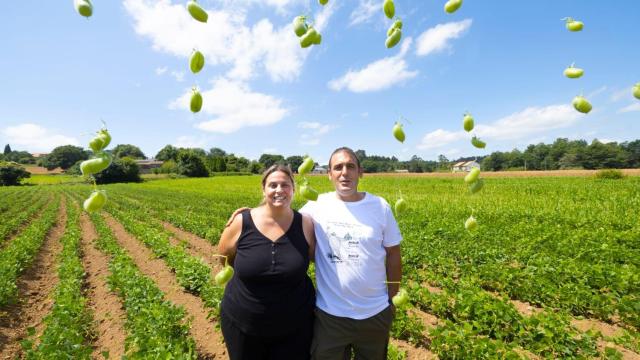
[
  {"x": 84, "y": 7},
  {"x": 195, "y": 104},
  {"x": 396, "y": 25},
  {"x": 478, "y": 143},
  {"x": 452, "y": 6},
  {"x": 308, "y": 192},
  {"x": 573, "y": 25},
  {"x": 394, "y": 39},
  {"x": 196, "y": 62},
  {"x": 476, "y": 186},
  {"x": 306, "y": 166},
  {"x": 398, "y": 133},
  {"x": 467, "y": 122},
  {"x": 309, "y": 38},
  {"x": 96, "y": 164},
  {"x": 472, "y": 176},
  {"x": 581, "y": 104},
  {"x": 389, "y": 8},
  {"x": 197, "y": 12},
  {"x": 471, "y": 223},
  {"x": 300, "y": 25},
  {"x": 96, "y": 201},
  {"x": 573, "y": 72},
  {"x": 400, "y": 206}
]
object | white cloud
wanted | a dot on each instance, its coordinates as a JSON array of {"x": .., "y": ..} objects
[
  {"x": 234, "y": 106},
  {"x": 365, "y": 11},
  {"x": 436, "y": 39},
  {"x": 378, "y": 75},
  {"x": 161, "y": 70},
  {"x": 178, "y": 75},
  {"x": 187, "y": 141},
  {"x": 320, "y": 129},
  {"x": 226, "y": 39},
  {"x": 283, "y": 7},
  {"x": 620, "y": 95},
  {"x": 439, "y": 138},
  {"x": 528, "y": 122},
  {"x": 314, "y": 137},
  {"x": 630, "y": 108},
  {"x": 270, "y": 151},
  {"x": 35, "y": 138}
]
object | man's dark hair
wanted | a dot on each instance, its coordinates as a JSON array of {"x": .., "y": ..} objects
[{"x": 348, "y": 151}]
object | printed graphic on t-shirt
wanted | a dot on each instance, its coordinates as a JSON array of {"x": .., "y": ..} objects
[{"x": 344, "y": 243}]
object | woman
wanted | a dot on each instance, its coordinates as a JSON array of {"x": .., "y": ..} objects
[{"x": 267, "y": 308}]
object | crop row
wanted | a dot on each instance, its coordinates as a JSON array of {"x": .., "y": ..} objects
[
  {"x": 192, "y": 273},
  {"x": 156, "y": 328},
  {"x": 9, "y": 195},
  {"x": 483, "y": 317},
  {"x": 68, "y": 325},
  {"x": 20, "y": 252},
  {"x": 23, "y": 209}
]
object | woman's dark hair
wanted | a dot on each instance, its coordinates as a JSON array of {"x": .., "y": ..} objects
[{"x": 277, "y": 167}]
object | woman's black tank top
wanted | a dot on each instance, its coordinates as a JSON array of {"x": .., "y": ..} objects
[{"x": 270, "y": 293}]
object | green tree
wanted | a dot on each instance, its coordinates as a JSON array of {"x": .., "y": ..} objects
[
  {"x": 121, "y": 170},
  {"x": 294, "y": 162},
  {"x": 269, "y": 159},
  {"x": 12, "y": 173},
  {"x": 7, "y": 149},
  {"x": 168, "y": 152},
  {"x": 216, "y": 164},
  {"x": 64, "y": 157},
  {"x": 191, "y": 164},
  {"x": 214, "y": 151},
  {"x": 256, "y": 167},
  {"x": 128, "y": 150}
]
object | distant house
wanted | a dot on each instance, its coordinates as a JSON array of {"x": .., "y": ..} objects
[
  {"x": 402, "y": 171},
  {"x": 147, "y": 166},
  {"x": 465, "y": 166},
  {"x": 39, "y": 155},
  {"x": 319, "y": 170}
]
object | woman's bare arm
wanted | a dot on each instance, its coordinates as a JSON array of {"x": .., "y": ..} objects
[
  {"x": 309, "y": 234},
  {"x": 229, "y": 239}
]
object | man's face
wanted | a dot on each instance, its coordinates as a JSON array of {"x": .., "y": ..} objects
[{"x": 344, "y": 174}]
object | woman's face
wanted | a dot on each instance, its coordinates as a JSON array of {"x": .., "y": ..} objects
[{"x": 278, "y": 189}]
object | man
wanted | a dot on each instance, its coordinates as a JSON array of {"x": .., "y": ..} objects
[{"x": 358, "y": 266}]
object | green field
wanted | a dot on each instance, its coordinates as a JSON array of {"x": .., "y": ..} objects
[{"x": 569, "y": 247}]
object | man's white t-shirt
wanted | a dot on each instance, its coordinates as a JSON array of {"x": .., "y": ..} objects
[{"x": 350, "y": 255}]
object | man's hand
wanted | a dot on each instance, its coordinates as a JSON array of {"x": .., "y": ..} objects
[{"x": 235, "y": 213}]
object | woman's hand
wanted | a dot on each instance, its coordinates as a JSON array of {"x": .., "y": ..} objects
[{"x": 235, "y": 213}]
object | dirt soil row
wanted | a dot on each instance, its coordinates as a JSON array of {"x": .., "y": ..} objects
[{"x": 35, "y": 288}]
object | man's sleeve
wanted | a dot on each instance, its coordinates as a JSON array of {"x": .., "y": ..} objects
[
  {"x": 307, "y": 208},
  {"x": 391, "y": 232}
]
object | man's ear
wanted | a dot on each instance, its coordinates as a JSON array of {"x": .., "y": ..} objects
[{"x": 360, "y": 172}]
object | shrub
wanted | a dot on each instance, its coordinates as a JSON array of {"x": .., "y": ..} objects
[
  {"x": 168, "y": 167},
  {"x": 191, "y": 164},
  {"x": 12, "y": 173},
  {"x": 121, "y": 170},
  {"x": 613, "y": 174}
]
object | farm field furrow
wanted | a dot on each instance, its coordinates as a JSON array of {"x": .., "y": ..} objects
[
  {"x": 552, "y": 271},
  {"x": 156, "y": 328},
  {"x": 105, "y": 305},
  {"x": 207, "y": 340},
  {"x": 22, "y": 212},
  {"x": 30, "y": 278},
  {"x": 67, "y": 328}
]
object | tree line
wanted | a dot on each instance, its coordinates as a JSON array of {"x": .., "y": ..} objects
[{"x": 197, "y": 162}]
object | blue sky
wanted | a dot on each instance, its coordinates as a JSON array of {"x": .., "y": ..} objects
[{"x": 500, "y": 60}]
